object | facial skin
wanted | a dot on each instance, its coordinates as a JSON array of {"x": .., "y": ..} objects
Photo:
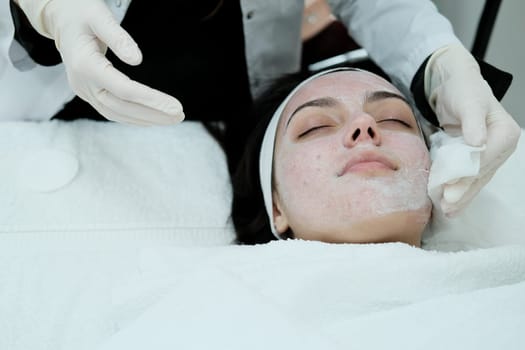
[{"x": 350, "y": 164}]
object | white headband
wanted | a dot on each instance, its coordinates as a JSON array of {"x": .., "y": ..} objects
[{"x": 268, "y": 143}]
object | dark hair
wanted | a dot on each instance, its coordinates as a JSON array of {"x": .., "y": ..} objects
[{"x": 248, "y": 213}]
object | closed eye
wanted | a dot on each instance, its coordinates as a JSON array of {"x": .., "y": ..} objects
[
  {"x": 311, "y": 130},
  {"x": 394, "y": 120}
]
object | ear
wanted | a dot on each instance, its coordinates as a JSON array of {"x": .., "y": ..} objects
[{"x": 279, "y": 217}]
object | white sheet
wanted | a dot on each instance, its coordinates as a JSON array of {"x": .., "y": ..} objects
[
  {"x": 282, "y": 295},
  {"x": 465, "y": 290},
  {"x": 315, "y": 296}
]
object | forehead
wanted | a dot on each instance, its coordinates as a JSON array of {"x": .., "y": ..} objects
[{"x": 341, "y": 85}]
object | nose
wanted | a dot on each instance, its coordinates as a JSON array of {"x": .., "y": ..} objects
[{"x": 362, "y": 129}]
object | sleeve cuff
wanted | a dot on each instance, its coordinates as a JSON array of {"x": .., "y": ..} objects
[{"x": 42, "y": 50}]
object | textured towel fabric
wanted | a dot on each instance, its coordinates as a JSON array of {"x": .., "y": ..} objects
[
  {"x": 283, "y": 295},
  {"x": 108, "y": 180},
  {"x": 309, "y": 293}
]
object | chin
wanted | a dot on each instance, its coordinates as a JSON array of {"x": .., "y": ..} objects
[{"x": 404, "y": 227}]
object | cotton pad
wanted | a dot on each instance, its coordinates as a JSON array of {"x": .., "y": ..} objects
[
  {"x": 46, "y": 170},
  {"x": 452, "y": 159}
]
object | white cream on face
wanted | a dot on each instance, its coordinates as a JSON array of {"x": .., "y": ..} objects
[{"x": 318, "y": 201}]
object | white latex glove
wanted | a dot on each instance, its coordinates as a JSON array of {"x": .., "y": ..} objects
[
  {"x": 83, "y": 30},
  {"x": 465, "y": 106}
]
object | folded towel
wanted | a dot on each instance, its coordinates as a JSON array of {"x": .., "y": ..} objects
[{"x": 109, "y": 180}]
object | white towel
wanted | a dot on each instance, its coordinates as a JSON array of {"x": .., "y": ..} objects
[
  {"x": 110, "y": 180},
  {"x": 298, "y": 294}
]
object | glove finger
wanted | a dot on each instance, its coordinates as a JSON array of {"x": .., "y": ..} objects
[
  {"x": 502, "y": 139},
  {"x": 473, "y": 122},
  {"x": 135, "y": 111},
  {"x": 453, "y": 181},
  {"x": 453, "y": 209},
  {"x": 455, "y": 199},
  {"x": 455, "y": 189},
  {"x": 452, "y": 193},
  {"x": 115, "y": 116},
  {"x": 151, "y": 98},
  {"x": 109, "y": 31},
  {"x": 125, "y": 89}
]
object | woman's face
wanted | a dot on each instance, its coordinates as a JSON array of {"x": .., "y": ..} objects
[{"x": 350, "y": 164}]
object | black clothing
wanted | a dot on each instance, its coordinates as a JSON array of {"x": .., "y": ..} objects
[{"x": 192, "y": 50}]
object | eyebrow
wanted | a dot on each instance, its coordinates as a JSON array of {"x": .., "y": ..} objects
[
  {"x": 318, "y": 102},
  {"x": 379, "y": 95},
  {"x": 371, "y": 97}
]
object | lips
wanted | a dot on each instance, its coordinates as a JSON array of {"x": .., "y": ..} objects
[{"x": 369, "y": 161}]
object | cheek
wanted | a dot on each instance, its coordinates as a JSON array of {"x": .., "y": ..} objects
[
  {"x": 415, "y": 164},
  {"x": 302, "y": 173},
  {"x": 299, "y": 169},
  {"x": 412, "y": 151}
]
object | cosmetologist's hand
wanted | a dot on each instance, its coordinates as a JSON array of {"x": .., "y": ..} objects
[
  {"x": 465, "y": 106},
  {"x": 82, "y": 31}
]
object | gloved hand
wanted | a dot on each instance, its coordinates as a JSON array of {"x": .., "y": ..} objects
[
  {"x": 82, "y": 31},
  {"x": 465, "y": 105}
]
